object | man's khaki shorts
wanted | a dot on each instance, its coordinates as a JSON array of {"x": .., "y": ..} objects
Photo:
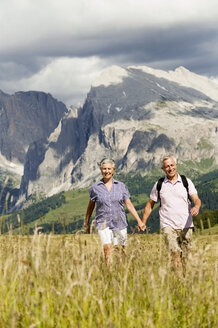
[{"x": 177, "y": 239}]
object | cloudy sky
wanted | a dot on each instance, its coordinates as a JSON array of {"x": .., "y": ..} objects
[{"x": 61, "y": 46}]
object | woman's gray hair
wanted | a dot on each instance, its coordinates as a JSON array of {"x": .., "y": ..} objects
[
  {"x": 107, "y": 160},
  {"x": 166, "y": 158}
]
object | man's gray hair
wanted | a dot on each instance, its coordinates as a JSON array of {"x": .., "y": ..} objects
[
  {"x": 107, "y": 160},
  {"x": 165, "y": 158}
]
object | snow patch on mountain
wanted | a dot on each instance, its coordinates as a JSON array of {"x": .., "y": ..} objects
[{"x": 15, "y": 168}]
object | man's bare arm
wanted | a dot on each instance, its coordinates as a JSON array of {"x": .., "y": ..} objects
[{"x": 195, "y": 210}]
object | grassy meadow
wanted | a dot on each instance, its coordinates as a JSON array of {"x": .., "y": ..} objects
[{"x": 62, "y": 281}]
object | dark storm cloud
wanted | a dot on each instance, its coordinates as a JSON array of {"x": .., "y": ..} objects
[
  {"x": 188, "y": 43},
  {"x": 193, "y": 45},
  {"x": 60, "y": 47},
  {"x": 22, "y": 66}
]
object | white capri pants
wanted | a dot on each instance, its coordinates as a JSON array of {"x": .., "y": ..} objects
[{"x": 115, "y": 237}]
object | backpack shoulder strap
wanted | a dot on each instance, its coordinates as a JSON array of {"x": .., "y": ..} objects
[
  {"x": 185, "y": 184},
  {"x": 159, "y": 185}
]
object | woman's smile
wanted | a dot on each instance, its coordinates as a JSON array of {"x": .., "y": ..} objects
[{"x": 107, "y": 170}]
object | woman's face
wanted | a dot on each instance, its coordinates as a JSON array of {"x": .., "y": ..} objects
[{"x": 107, "y": 170}]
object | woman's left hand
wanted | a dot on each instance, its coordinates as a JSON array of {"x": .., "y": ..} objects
[{"x": 87, "y": 227}]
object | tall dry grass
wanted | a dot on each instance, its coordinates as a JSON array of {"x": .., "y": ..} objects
[{"x": 62, "y": 281}]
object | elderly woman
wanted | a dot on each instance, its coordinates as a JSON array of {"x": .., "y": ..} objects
[{"x": 110, "y": 196}]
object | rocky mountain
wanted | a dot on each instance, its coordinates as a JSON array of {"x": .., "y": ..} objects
[
  {"x": 135, "y": 115},
  {"x": 25, "y": 117}
]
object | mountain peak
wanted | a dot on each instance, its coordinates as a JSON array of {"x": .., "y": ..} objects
[
  {"x": 111, "y": 75},
  {"x": 186, "y": 78}
]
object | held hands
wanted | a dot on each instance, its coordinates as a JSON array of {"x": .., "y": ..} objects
[{"x": 141, "y": 226}]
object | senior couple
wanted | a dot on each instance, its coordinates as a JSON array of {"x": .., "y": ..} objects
[{"x": 110, "y": 196}]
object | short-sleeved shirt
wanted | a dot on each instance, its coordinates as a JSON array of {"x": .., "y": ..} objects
[
  {"x": 175, "y": 206},
  {"x": 110, "y": 205}
]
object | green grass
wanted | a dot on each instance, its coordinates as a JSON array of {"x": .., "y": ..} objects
[
  {"x": 161, "y": 104},
  {"x": 76, "y": 203},
  {"x": 194, "y": 169},
  {"x": 62, "y": 281},
  {"x": 204, "y": 144},
  {"x": 211, "y": 231},
  {"x": 74, "y": 208}
]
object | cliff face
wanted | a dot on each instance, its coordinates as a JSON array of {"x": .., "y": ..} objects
[
  {"x": 26, "y": 117},
  {"x": 136, "y": 116}
]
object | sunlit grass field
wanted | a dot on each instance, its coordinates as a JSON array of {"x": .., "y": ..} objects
[{"x": 62, "y": 281}]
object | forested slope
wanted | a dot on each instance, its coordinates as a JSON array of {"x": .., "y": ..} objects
[{"x": 65, "y": 212}]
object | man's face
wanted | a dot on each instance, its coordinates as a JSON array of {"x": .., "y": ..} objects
[{"x": 169, "y": 167}]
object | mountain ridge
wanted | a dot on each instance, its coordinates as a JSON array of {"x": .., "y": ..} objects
[
  {"x": 136, "y": 119},
  {"x": 181, "y": 75},
  {"x": 135, "y": 115},
  {"x": 24, "y": 118}
]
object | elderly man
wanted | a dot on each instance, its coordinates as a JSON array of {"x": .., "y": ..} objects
[{"x": 175, "y": 211}]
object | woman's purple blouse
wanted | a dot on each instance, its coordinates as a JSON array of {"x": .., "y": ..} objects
[{"x": 110, "y": 205}]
